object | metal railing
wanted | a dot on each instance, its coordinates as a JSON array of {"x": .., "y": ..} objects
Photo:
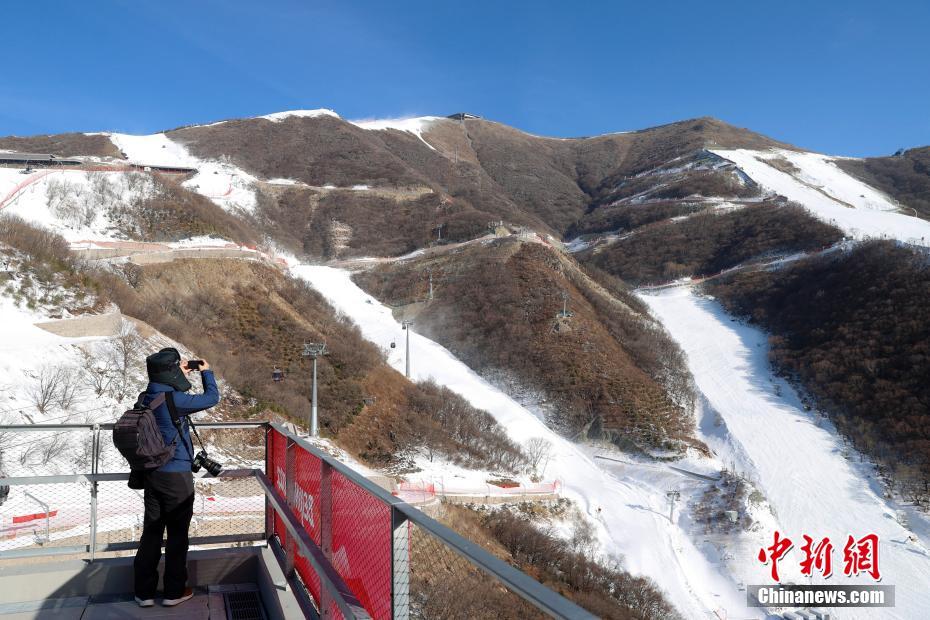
[{"x": 350, "y": 548}]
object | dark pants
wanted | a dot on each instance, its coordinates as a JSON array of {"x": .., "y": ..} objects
[{"x": 169, "y": 504}]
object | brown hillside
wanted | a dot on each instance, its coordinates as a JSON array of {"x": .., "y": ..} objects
[
  {"x": 515, "y": 535},
  {"x": 487, "y": 170},
  {"x": 496, "y": 306},
  {"x": 62, "y": 145},
  {"x": 476, "y": 172},
  {"x": 711, "y": 241},
  {"x": 318, "y": 151},
  {"x": 247, "y": 317}
]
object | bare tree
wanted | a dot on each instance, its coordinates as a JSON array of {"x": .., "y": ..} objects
[
  {"x": 44, "y": 392},
  {"x": 121, "y": 356},
  {"x": 95, "y": 373},
  {"x": 6, "y": 438},
  {"x": 53, "y": 448},
  {"x": 538, "y": 451},
  {"x": 583, "y": 539},
  {"x": 26, "y": 454},
  {"x": 103, "y": 197},
  {"x": 68, "y": 388},
  {"x": 85, "y": 453},
  {"x": 68, "y": 201},
  {"x": 97, "y": 378},
  {"x": 135, "y": 181}
]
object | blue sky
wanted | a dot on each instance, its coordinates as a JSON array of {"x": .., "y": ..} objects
[{"x": 850, "y": 78}]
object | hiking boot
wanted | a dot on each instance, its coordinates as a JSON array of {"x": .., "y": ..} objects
[
  {"x": 145, "y": 602},
  {"x": 171, "y": 602}
]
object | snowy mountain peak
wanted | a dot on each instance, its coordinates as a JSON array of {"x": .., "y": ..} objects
[{"x": 277, "y": 117}]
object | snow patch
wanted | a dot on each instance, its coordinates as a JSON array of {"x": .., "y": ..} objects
[
  {"x": 281, "y": 182},
  {"x": 415, "y": 125},
  {"x": 277, "y": 117},
  {"x": 830, "y": 194}
]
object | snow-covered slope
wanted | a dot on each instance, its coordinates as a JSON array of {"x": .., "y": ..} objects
[
  {"x": 830, "y": 194},
  {"x": 223, "y": 183},
  {"x": 415, "y": 125},
  {"x": 73, "y": 203},
  {"x": 633, "y": 520},
  {"x": 797, "y": 460}
]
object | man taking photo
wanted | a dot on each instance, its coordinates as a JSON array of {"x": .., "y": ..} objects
[{"x": 169, "y": 490}]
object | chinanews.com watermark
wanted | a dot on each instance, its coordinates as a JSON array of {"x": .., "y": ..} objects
[
  {"x": 820, "y": 596},
  {"x": 860, "y": 556}
]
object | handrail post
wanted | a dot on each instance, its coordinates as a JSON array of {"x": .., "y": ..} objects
[
  {"x": 400, "y": 565},
  {"x": 326, "y": 528},
  {"x": 290, "y": 548},
  {"x": 45, "y": 507},
  {"x": 269, "y": 513},
  {"x": 95, "y": 469}
]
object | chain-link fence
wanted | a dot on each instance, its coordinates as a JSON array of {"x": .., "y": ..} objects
[
  {"x": 46, "y": 516},
  {"x": 445, "y": 585},
  {"x": 49, "y": 509}
]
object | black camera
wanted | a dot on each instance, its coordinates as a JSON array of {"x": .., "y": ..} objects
[
  {"x": 194, "y": 364},
  {"x": 202, "y": 460}
]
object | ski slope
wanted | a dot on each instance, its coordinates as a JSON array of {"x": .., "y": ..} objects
[
  {"x": 226, "y": 185},
  {"x": 634, "y": 520},
  {"x": 796, "y": 462},
  {"x": 830, "y": 194}
]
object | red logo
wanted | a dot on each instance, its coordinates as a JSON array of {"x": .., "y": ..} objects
[
  {"x": 819, "y": 557},
  {"x": 859, "y": 556},
  {"x": 779, "y": 548}
]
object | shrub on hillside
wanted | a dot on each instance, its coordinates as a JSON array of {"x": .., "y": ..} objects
[
  {"x": 172, "y": 212},
  {"x": 852, "y": 329},
  {"x": 44, "y": 271},
  {"x": 570, "y": 567},
  {"x": 711, "y": 242},
  {"x": 430, "y": 420},
  {"x": 39, "y": 244},
  {"x": 627, "y": 216},
  {"x": 497, "y": 307}
]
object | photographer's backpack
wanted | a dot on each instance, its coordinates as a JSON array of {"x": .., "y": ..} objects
[{"x": 137, "y": 436}]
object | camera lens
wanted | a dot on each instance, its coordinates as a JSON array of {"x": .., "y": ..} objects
[
  {"x": 213, "y": 467},
  {"x": 202, "y": 460}
]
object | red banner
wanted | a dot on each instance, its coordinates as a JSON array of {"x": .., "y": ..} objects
[
  {"x": 361, "y": 536},
  {"x": 33, "y": 517}
]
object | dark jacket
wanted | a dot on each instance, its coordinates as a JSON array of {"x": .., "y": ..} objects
[{"x": 186, "y": 404}]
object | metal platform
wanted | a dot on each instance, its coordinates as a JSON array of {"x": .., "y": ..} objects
[
  {"x": 84, "y": 608},
  {"x": 229, "y": 584}
]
